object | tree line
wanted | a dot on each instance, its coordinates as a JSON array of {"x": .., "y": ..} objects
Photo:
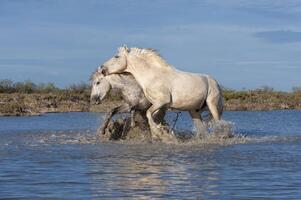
[{"x": 28, "y": 87}]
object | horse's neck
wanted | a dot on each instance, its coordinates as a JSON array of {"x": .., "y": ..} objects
[
  {"x": 122, "y": 82},
  {"x": 145, "y": 72},
  {"x": 128, "y": 86},
  {"x": 115, "y": 81}
]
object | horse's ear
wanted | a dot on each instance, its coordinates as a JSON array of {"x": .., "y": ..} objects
[
  {"x": 101, "y": 70},
  {"x": 124, "y": 48},
  {"x": 104, "y": 71}
]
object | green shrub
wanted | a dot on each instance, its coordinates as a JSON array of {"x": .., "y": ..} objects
[
  {"x": 296, "y": 89},
  {"x": 6, "y": 86},
  {"x": 47, "y": 88},
  {"x": 26, "y": 87}
]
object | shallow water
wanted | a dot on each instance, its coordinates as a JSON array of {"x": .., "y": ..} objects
[{"x": 51, "y": 157}]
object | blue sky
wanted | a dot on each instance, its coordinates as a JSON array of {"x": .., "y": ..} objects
[{"x": 242, "y": 43}]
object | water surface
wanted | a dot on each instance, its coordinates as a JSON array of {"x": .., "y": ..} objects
[{"x": 41, "y": 157}]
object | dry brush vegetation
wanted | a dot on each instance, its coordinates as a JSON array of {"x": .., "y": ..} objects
[{"x": 28, "y": 98}]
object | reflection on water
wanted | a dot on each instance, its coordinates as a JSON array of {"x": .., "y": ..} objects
[
  {"x": 55, "y": 157},
  {"x": 155, "y": 172}
]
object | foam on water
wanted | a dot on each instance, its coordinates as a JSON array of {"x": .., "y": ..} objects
[{"x": 221, "y": 133}]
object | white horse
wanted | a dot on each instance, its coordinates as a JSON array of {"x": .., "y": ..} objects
[
  {"x": 164, "y": 86},
  {"x": 132, "y": 94}
]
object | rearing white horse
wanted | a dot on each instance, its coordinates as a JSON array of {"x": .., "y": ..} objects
[{"x": 164, "y": 86}]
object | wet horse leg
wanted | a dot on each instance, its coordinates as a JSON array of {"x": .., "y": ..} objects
[
  {"x": 119, "y": 109},
  {"x": 155, "y": 130},
  {"x": 197, "y": 120},
  {"x": 133, "y": 114},
  {"x": 106, "y": 122},
  {"x": 129, "y": 122},
  {"x": 159, "y": 116},
  {"x": 151, "y": 122},
  {"x": 213, "y": 108},
  {"x": 125, "y": 128}
]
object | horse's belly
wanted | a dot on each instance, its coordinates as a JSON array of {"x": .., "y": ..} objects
[
  {"x": 188, "y": 91},
  {"x": 188, "y": 102}
]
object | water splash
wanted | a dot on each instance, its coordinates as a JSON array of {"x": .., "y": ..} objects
[
  {"x": 222, "y": 133},
  {"x": 222, "y": 128}
]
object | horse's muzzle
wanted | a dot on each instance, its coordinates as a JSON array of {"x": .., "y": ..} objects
[{"x": 95, "y": 100}]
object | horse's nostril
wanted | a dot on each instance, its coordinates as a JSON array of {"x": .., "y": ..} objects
[{"x": 93, "y": 99}]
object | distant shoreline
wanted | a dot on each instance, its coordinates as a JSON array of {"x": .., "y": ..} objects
[
  {"x": 29, "y": 99},
  {"x": 20, "y": 104}
]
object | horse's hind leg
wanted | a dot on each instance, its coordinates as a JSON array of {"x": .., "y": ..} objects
[{"x": 197, "y": 120}]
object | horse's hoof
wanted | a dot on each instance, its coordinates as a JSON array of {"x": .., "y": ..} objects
[
  {"x": 156, "y": 139},
  {"x": 201, "y": 136},
  {"x": 133, "y": 125},
  {"x": 101, "y": 131},
  {"x": 163, "y": 129}
]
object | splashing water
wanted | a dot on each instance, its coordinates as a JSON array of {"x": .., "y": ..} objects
[
  {"x": 222, "y": 128},
  {"x": 220, "y": 133}
]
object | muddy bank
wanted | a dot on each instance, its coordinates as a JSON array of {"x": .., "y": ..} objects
[
  {"x": 261, "y": 101},
  {"x": 37, "y": 104},
  {"x": 19, "y": 104}
]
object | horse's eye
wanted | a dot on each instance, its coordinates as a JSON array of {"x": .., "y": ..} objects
[
  {"x": 116, "y": 56},
  {"x": 97, "y": 83}
]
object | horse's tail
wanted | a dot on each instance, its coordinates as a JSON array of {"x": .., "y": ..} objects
[
  {"x": 220, "y": 101},
  {"x": 214, "y": 99},
  {"x": 208, "y": 117}
]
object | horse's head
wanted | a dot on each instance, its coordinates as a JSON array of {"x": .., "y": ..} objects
[
  {"x": 118, "y": 63},
  {"x": 100, "y": 86}
]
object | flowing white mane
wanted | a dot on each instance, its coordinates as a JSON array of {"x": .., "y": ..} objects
[{"x": 148, "y": 54}]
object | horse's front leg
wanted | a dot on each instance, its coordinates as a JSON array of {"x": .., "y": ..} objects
[
  {"x": 156, "y": 131},
  {"x": 197, "y": 120},
  {"x": 104, "y": 125},
  {"x": 118, "y": 109},
  {"x": 159, "y": 116},
  {"x": 151, "y": 122},
  {"x": 133, "y": 114},
  {"x": 121, "y": 109},
  {"x": 129, "y": 122}
]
